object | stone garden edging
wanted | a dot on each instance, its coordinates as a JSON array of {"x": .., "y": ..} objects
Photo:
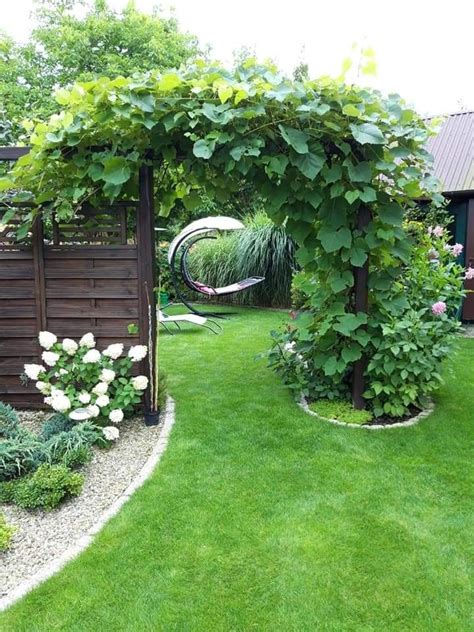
[
  {"x": 402, "y": 424},
  {"x": 56, "y": 564}
]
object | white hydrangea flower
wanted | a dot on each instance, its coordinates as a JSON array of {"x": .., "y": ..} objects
[
  {"x": 91, "y": 357},
  {"x": 60, "y": 403},
  {"x": 116, "y": 416},
  {"x": 48, "y": 400},
  {"x": 94, "y": 410},
  {"x": 84, "y": 398},
  {"x": 87, "y": 340},
  {"x": 100, "y": 388},
  {"x": 137, "y": 353},
  {"x": 50, "y": 358},
  {"x": 63, "y": 372},
  {"x": 47, "y": 339},
  {"x": 56, "y": 391},
  {"x": 114, "y": 351},
  {"x": 107, "y": 375},
  {"x": 111, "y": 433},
  {"x": 33, "y": 370},
  {"x": 43, "y": 387},
  {"x": 140, "y": 382},
  {"x": 290, "y": 347},
  {"x": 70, "y": 346},
  {"x": 102, "y": 401}
]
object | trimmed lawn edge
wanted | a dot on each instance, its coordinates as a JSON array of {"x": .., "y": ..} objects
[
  {"x": 56, "y": 564},
  {"x": 402, "y": 424}
]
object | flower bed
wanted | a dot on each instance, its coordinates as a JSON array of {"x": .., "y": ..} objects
[
  {"x": 402, "y": 347},
  {"x": 372, "y": 425},
  {"x": 110, "y": 477},
  {"x": 47, "y": 460}
]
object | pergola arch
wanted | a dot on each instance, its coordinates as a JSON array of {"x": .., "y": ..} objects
[{"x": 336, "y": 163}]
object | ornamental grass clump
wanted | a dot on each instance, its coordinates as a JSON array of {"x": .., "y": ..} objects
[
  {"x": 81, "y": 382},
  {"x": 259, "y": 249}
]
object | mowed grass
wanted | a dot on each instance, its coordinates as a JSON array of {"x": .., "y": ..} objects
[{"x": 260, "y": 517}]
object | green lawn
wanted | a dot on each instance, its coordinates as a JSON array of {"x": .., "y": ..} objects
[{"x": 260, "y": 517}]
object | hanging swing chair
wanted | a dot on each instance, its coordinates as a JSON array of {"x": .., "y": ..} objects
[{"x": 194, "y": 232}]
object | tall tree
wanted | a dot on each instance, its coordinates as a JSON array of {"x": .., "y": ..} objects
[{"x": 79, "y": 40}]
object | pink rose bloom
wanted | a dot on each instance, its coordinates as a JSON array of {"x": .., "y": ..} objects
[
  {"x": 457, "y": 249},
  {"x": 438, "y": 231},
  {"x": 469, "y": 274},
  {"x": 438, "y": 308}
]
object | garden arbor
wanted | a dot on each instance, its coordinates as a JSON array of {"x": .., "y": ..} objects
[{"x": 338, "y": 164}]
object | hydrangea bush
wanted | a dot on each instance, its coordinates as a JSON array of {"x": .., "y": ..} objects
[
  {"x": 416, "y": 331},
  {"x": 82, "y": 382}
]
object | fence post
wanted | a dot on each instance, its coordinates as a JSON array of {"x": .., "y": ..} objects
[
  {"x": 38, "y": 264},
  {"x": 146, "y": 273},
  {"x": 361, "y": 299}
]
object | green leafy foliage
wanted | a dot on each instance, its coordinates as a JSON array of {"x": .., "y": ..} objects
[
  {"x": 406, "y": 366},
  {"x": 340, "y": 410},
  {"x": 47, "y": 487},
  {"x": 226, "y": 126},
  {"x": 6, "y": 533},
  {"x": 406, "y": 343},
  {"x": 72, "y": 447},
  {"x": 60, "y": 441},
  {"x": 302, "y": 286},
  {"x": 6, "y": 491}
]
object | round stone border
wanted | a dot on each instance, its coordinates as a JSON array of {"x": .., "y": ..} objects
[
  {"x": 56, "y": 564},
  {"x": 402, "y": 424}
]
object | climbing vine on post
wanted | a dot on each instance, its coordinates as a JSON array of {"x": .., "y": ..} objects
[{"x": 319, "y": 152}]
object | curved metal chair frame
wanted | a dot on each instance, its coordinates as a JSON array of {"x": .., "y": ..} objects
[{"x": 193, "y": 236}]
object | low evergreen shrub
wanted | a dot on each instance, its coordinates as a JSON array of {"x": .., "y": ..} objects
[
  {"x": 47, "y": 487},
  {"x": 6, "y": 533}
]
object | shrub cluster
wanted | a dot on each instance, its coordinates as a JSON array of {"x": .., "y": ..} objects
[
  {"x": 22, "y": 452},
  {"x": 409, "y": 336},
  {"x": 35, "y": 470},
  {"x": 43, "y": 489},
  {"x": 79, "y": 380}
]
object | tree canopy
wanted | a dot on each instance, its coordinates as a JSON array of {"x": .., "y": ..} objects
[{"x": 66, "y": 46}]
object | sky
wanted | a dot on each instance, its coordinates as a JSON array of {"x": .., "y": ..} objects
[{"x": 423, "y": 48}]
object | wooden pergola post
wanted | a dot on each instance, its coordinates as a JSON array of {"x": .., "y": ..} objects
[
  {"x": 146, "y": 274},
  {"x": 361, "y": 304}
]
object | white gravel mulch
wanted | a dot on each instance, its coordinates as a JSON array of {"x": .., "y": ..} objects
[{"x": 43, "y": 536}]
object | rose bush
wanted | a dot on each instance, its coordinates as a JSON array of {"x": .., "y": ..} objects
[{"x": 75, "y": 376}]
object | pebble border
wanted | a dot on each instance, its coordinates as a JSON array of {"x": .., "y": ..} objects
[
  {"x": 402, "y": 424},
  {"x": 56, "y": 564}
]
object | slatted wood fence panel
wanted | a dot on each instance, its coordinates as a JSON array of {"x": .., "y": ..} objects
[{"x": 85, "y": 278}]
